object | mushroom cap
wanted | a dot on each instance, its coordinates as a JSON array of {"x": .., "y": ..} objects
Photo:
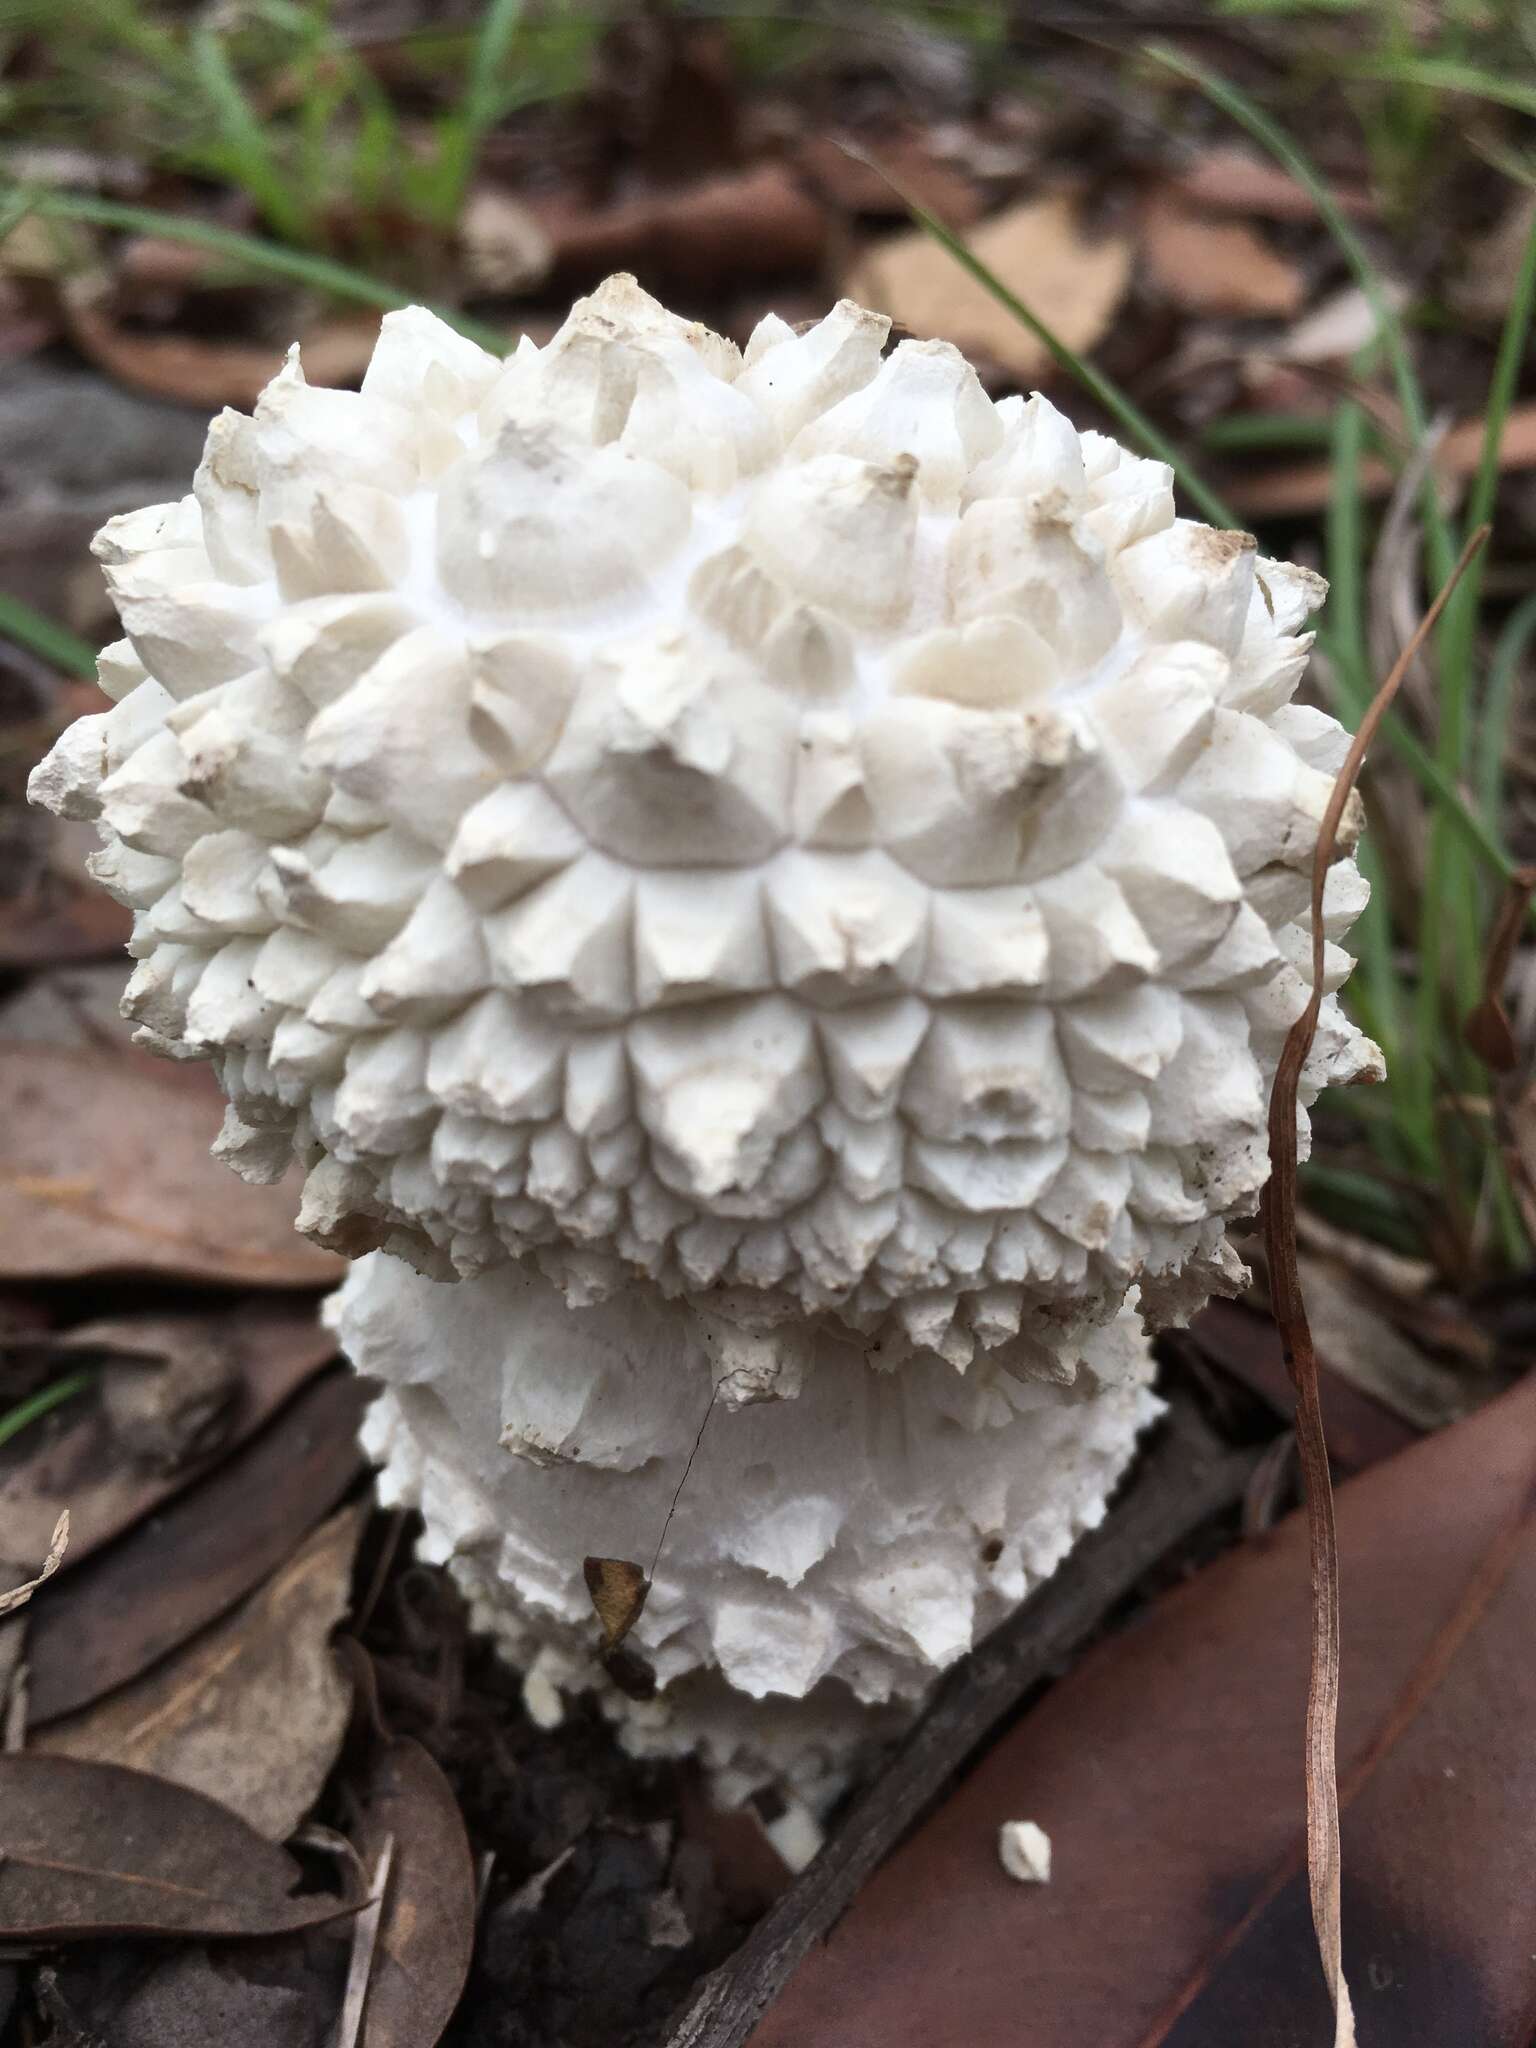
[{"x": 774, "y": 825}]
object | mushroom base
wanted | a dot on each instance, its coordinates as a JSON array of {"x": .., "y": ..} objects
[{"x": 838, "y": 1534}]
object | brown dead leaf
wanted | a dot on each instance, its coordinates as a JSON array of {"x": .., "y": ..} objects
[
  {"x": 1337, "y": 329},
  {"x": 213, "y": 373},
  {"x": 618, "y": 1588},
  {"x": 104, "y": 1168},
  {"x": 1521, "y": 1152},
  {"x": 1039, "y": 250},
  {"x": 427, "y": 1927},
  {"x": 88, "y": 1850},
  {"x": 157, "y": 1586},
  {"x": 74, "y": 1460},
  {"x": 1304, "y": 487},
  {"x": 846, "y": 179},
  {"x": 1164, "y": 1770},
  {"x": 1229, "y": 180},
  {"x": 1215, "y": 266},
  {"x": 1247, "y": 1348},
  {"x": 252, "y": 1711},
  {"x": 751, "y": 223}
]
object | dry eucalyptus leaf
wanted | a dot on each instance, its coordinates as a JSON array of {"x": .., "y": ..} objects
[
  {"x": 1040, "y": 250},
  {"x": 76, "y": 1461},
  {"x": 88, "y": 1850},
  {"x": 1216, "y": 266},
  {"x": 105, "y": 1168},
  {"x": 252, "y": 1711},
  {"x": 211, "y": 373},
  {"x": 1363, "y": 1347},
  {"x": 427, "y": 1925},
  {"x": 163, "y": 1581}
]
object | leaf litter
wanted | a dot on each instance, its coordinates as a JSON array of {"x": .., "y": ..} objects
[
  {"x": 76, "y": 1458},
  {"x": 105, "y": 1169},
  {"x": 173, "y": 1573},
  {"x": 253, "y": 1709},
  {"x": 92, "y": 1849},
  {"x": 411, "y": 1837}
]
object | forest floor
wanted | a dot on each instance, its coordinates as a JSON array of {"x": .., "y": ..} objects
[{"x": 1248, "y": 264}]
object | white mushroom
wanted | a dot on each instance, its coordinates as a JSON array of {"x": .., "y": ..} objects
[{"x": 784, "y": 879}]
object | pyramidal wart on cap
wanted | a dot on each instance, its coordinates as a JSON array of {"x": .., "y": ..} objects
[{"x": 757, "y": 877}]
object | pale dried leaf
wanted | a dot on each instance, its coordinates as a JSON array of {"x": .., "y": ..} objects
[
  {"x": 1215, "y": 266},
  {"x": 1039, "y": 250},
  {"x": 18, "y": 1596},
  {"x": 506, "y": 246},
  {"x": 1340, "y": 327}
]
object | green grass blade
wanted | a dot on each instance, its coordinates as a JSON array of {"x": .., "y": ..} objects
[
  {"x": 41, "y": 636},
  {"x": 1242, "y": 432},
  {"x": 37, "y": 1405},
  {"x": 245, "y": 146},
  {"x": 460, "y": 136},
  {"x": 251, "y": 252},
  {"x": 1445, "y": 74},
  {"x": 1346, "y": 554}
]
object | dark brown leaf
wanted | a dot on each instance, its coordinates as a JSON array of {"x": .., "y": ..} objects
[
  {"x": 91, "y": 1849},
  {"x": 848, "y": 181},
  {"x": 211, "y": 373},
  {"x": 1303, "y": 488},
  {"x": 427, "y": 1928},
  {"x": 618, "y": 1588},
  {"x": 1247, "y": 1347},
  {"x": 104, "y": 1168},
  {"x": 1229, "y": 180},
  {"x": 753, "y": 223},
  {"x": 173, "y": 1574},
  {"x": 1165, "y": 1770},
  {"x": 252, "y": 1710},
  {"x": 74, "y": 1461}
]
